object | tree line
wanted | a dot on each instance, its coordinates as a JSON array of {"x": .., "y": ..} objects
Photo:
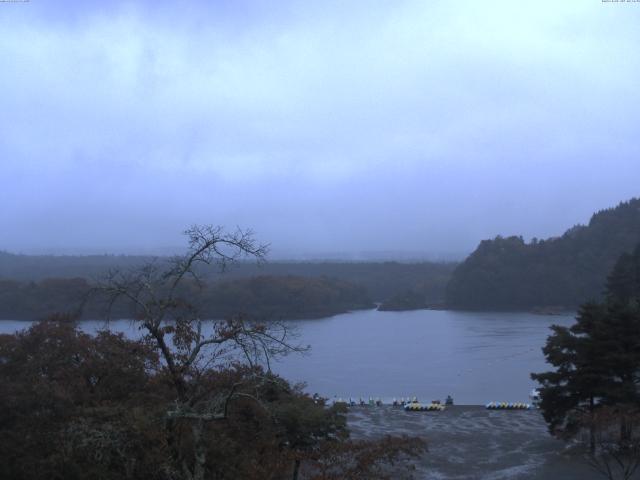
[
  {"x": 263, "y": 297},
  {"x": 563, "y": 272},
  {"x": 381, "y": 280}
]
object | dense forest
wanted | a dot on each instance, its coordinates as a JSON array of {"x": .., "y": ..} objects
[
  {"x": 263, "y": 297},
  {"x": 34, "y": 286},
  {"x": 562, "y": 272},
  {"x": 288, "y": 297},
  {"x": 382, "y": 280},
  {"x": 406, "y": 300}
]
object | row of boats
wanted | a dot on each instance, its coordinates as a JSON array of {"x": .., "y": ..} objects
[
  {"x": 377, "y": 402},
  {"x": 508, "y": 406},
  {"x": 438, "y": 407},
  {"x": 418, "y": 407},
  {"x": 413, "y": 405}
]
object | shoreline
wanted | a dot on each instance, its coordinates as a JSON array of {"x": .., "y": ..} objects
[{"x": 470, "y": 442}]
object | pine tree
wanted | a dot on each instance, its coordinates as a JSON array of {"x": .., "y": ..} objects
[
  {"x": 570, "y": 391},
  {"x": 596, "y": 360}
]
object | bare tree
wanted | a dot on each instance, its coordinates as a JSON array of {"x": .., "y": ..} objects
[{"x": 163, "y": 297}]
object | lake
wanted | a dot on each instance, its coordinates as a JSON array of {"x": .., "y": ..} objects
[{"x": 476, "y": 357}]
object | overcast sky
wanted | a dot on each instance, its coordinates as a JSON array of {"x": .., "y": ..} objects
[{"x": 327, "y": 127}]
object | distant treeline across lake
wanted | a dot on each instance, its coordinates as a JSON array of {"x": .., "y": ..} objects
[
  {"x": 506, "y": 273},
  {"x": 32, "y": 287}
]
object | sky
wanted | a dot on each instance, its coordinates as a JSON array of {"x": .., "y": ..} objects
[{"x": 332, "y": 129}]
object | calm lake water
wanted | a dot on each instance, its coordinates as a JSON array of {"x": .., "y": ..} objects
[{"x": 474, "y": 356}]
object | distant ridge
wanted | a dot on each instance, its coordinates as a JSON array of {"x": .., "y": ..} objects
[{"x": 562, "y": 272}]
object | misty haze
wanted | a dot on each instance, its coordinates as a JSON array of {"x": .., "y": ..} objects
[{"x": 319, "y": 240}]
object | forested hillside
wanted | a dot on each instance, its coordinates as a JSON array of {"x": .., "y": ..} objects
[{"x": 508, "y": 273}]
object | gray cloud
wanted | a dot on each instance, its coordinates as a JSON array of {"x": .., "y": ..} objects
[{"x": 387, "y": 126}]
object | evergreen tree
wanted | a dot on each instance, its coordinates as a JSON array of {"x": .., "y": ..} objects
[
  {"x": 596, "y": 360},
  {"x": 623, "y": 284},
  {"x": 570, "y": 391}
]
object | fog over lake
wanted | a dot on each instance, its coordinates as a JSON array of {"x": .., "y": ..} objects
[{"x": 474, "y": 356}]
